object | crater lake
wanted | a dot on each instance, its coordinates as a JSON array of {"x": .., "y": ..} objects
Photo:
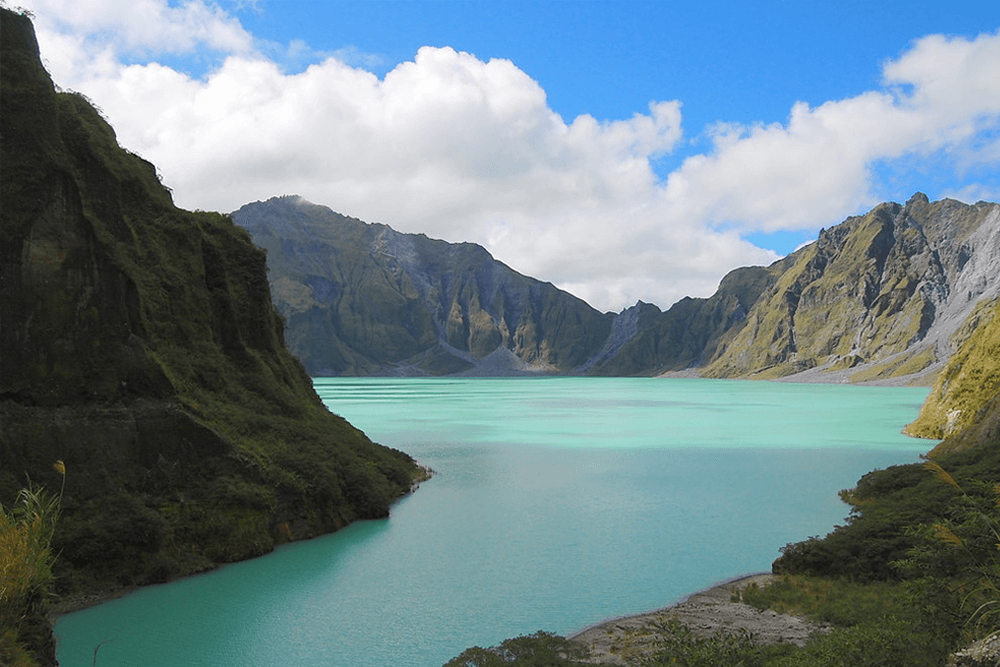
[{"x": 556, "y": 503}]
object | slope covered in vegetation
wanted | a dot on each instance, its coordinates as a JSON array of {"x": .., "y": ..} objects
[
  {"x": 964, "y": 405},
  {"x": 140, "y": 347}
]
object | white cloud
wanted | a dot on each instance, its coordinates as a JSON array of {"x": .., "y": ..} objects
[
  {"x": 146, "y": 26},
  {"x": 467, "y": 150},
  {"x": 817, "y": 167}
]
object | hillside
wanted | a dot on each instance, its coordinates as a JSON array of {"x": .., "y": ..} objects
[
  {"x": 141, "y": 348},
  {"x": 877, "y": 296},
  {"x": 362, "y": 299},
  {"x": 963, "y": 408}
]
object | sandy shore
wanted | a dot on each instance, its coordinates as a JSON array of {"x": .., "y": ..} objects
[{"x": 706, "y": 613}]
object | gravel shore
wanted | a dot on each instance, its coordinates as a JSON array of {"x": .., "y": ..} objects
[{"x": 706, "y": 613}]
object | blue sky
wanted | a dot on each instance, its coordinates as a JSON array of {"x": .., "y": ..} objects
[{"x": 621, "y": 150}]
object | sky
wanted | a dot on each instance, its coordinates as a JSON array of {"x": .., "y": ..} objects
[{"x": 622, "y": 151}]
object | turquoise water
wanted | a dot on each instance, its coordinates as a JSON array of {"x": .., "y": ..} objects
[{"x": 558, "y": 502}]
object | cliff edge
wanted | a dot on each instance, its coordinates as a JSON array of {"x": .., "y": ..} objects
[{"x": 140, "y": 347}]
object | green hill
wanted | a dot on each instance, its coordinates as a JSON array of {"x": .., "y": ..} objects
[{"x": 964, "y": 405}]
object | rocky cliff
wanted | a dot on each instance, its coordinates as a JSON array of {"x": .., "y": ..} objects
[
  {"x": 877, "y": 296},
  {"x": 141, "y": 348},
  {"x": 963, "y": 408},
  {"x": 689, "y": 333},
  {"x": 363, "y": 299}
]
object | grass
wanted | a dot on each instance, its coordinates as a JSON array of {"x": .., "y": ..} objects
[{"x": 26, "y": 560}]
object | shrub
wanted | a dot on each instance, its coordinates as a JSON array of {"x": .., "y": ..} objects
[
  {"x": 541, "y": 649},
  {"x": 26, "y": 560}
]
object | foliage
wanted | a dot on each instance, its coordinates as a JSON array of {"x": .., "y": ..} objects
[
  {"x": 957, "y": 406},
  {"x": 146, "y": 353},
  {"x": 26, "y": 560},
  {"x": 541, "y": 649},
  {"x": 915, "y": 616},
  {"x": 887, "y": 507},
  {"x": 676, "y": 644},
  {"x": 932, "y": 533},
  {"x": 964, "y": 548},
  {"x": 889, "y": 643},
  {"x": 25, "y": 538}
]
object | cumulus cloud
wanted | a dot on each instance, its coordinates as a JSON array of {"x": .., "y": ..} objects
[
  {"x": 939, "y": 96},
  {"x": 467, "y": 150},
  {"x": 146, "y": 26}
]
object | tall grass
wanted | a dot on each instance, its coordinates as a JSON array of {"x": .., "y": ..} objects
[
  {"x": 973, "y": 530},
  {"x": 26, "y": 560}
]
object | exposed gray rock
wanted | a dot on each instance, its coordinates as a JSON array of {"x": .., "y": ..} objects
[
  {"x": 879, "y": 296},
  {"x": 984, "y": 653}
]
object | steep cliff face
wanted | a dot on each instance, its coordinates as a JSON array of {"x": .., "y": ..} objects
[
  {"x": 362, "y": 298},
  {"x": 963, "y": 408},
  {"x": 687, "y": 334},
  {"x": 140, "y": 346},
  {"x": 881, "y": 294},
  {"x": 877, "y": 296}
]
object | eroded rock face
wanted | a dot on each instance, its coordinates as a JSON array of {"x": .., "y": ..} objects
[
  {"x": 362, "y": 298},
  {"x": 141, "y": 348},
  {"x": 884, "y": 291},
  {"x": 879, "y": 295}
]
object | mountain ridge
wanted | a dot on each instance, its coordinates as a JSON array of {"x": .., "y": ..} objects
[
  {"x": 899, "y": 280},
  {"x": 361, "y": 298}
]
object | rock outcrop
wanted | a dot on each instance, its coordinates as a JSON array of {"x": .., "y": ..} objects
[
  {"x": 141, "y": 348},
  {"x": 690, "y": 332}
]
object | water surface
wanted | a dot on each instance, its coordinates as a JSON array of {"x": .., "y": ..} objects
[{"x": 558, "y": 502}]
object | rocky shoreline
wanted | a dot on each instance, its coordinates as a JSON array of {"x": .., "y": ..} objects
[{"x": 706, "y": 613}]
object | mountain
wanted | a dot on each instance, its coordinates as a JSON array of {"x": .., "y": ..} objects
[
  {"x": 363, "y": 299},
  {"x": 690, "y": 332},
  {"x": 140, "y": 347},
  {"x": 878, "y": 296}
]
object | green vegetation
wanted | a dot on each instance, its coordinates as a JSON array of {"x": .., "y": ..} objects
[
  {"x": 541, "y": 649},
  {"x": 141, "y": 347},
  {"x": 26, "y": 559},
  {"x": 873, "y": 623},
  {"x": 677, "y": 644},
  {"x": 911, "y": 362},
  {"x": 964, "y": 406},
  {"x": 888, "y": 509}
]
